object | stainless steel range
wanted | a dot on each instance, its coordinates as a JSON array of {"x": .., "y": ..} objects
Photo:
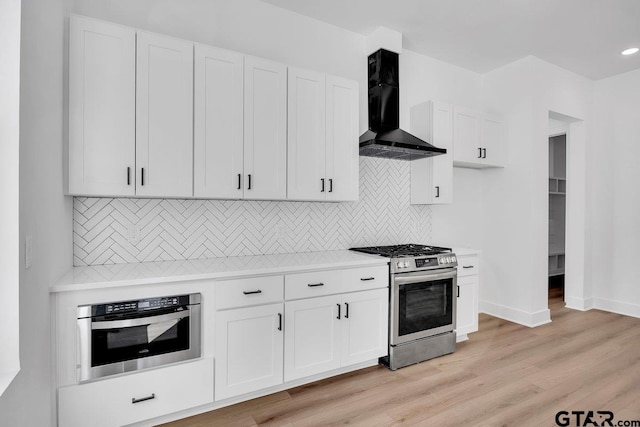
[{"x": 422, "y": 302}]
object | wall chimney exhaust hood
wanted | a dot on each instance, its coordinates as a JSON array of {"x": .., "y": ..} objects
[{"x": 384, "y": 137}]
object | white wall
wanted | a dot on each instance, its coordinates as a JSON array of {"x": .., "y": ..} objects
[
  {"x": 45, "y": 214},
  {"x": 617, "y": 141},
  {"x": 515, "y": 199},
  {"x": 421, "y": 79},
  {"x": 9, "y": 208}
]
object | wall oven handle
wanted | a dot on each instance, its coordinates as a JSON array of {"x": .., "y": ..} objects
[
  {"x": 141, "y": 321},
  {"x": 143, "y": 399},
  {"x": 409, "y": 278}
]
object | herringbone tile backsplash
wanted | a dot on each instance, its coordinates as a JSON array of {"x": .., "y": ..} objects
[{"x": 111, "y": 231}]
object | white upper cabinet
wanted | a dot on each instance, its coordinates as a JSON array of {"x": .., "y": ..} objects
[
  {"x": 478, "y": 139},
  {"x": 432, "y": 178},
  {"x": 493, "y": 140},
  {"x": 265, "y": 130},
  {"x": 218, "y": 123},
  {"x": 466, "y": 136},
  {"x": 164, "y": 116},
  {"x": 102, "y": 63},
  {"x": 322, "y": 137},
  {"x": 306, "y": 178},
  {"x": 155, "y": 116},
  {"x": 342, "y": 139}
]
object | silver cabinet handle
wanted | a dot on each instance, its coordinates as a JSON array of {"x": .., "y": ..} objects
[
  {"x": 143, "y": 399},
  {"x": 252, "y": 292},
  {"x": 113, "y": 324}
]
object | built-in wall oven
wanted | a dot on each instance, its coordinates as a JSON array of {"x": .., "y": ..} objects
[
  {"x": 129, "y": 335},
  {"x": 422, "y": 302}
]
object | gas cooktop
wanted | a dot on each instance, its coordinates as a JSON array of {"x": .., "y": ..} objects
[{"x": 400, "y": 251}]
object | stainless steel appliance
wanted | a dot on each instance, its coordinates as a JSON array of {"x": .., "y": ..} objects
[
  {"x": 130, "y": 335},
  {"x": 422, "y": 302}
]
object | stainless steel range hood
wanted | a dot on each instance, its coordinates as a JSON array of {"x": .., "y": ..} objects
[{"x": 384, "y": 137}]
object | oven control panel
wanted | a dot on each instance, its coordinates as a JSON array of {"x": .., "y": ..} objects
[{"x": 426, "y": 262}]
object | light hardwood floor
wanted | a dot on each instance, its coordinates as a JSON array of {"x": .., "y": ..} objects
[{"x": 504, "y": 375}]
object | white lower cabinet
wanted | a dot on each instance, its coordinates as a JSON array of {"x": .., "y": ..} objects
[
  {"x": 330, "y": 332},
  {"x": 312, "y": 336},
  {"x": 364, "y": 332},
  {"x": 467, "y": 304},
  {"x": 249, "y": 345},
  {"x": 136, "y": 397}
]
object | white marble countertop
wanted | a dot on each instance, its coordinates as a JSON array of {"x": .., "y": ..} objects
[
  {"x": 116, "y": 275},
  {"x": 465, "y": 251}
]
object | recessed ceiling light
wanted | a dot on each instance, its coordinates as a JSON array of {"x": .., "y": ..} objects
[{"x": 630, "y": 51}]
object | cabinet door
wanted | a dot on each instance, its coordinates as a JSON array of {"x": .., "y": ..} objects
[
  {"x": 218, "y": 123},
  {"x": 248, "y": 350},
  {"x": 467, "y": 306},
  {"x": 466, "y": 134},
  {"x": 164, "y": 117},
  {"x": 265, "y": 130},
  {"x": 342, "y": 140},
  {"x": 365, "y": 329},
  {"x": 432, "y": 178},
  {"x": 492, "y": 140},
  {"x": 306, "y": 135},
  {"x": 312, "y": 336},
  {"x": 102, "y": 92}
]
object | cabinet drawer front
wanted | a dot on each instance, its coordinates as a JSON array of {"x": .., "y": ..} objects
[
  {"x": 305, "y": 285},
  {"x": 468, "y": 265},
  {"x": 246, "y": 292},
  {"x": 467, "y": 280},
  {"x": 137, "y": 397},
  {"x": 361, "y": 279}
]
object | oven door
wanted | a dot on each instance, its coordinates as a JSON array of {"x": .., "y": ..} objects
[
  {"x": 422, "y": 304},
  {"x": 116, "y": 345}
]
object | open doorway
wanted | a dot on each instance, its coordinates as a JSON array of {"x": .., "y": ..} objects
[{"x": 557, "y": 214}]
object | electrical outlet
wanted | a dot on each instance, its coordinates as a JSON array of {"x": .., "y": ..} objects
[
  {"x": 133, "y": 234},
  {"x": 28, "y": 252}
]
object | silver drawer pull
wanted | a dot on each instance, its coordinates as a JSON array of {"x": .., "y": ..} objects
[
  {"x": 143, "y": 399},
  {"x": 364, "y": 279},
  {"x": 315, "y": 285},
  {"x": 252, "y": 292},
  {"x": 467, "y": 266}
]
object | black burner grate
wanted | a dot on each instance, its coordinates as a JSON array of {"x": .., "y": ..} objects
[{"x": 399, "y": 251}]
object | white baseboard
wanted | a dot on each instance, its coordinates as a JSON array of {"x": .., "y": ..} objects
[
  {"x": 530, "y": 319},
  {"x": 618, "y": 307},
  {"x": 575, "y": 303}
]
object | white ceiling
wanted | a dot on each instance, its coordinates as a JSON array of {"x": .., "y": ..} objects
[{"x": 583, "y": 36}]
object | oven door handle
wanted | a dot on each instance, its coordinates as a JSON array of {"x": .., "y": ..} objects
[
  {"x": 113, "y": 324},
  {"x": 409, "y": 278}
]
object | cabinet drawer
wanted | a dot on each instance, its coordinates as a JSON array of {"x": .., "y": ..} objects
[
  {"x": 468, "y": 265},
  {"x": 361, "y": 279},
  {"x": 317, "y": 283},
  {"x": 136, "y": 397},
  {"x": 467, "y": 280},
  {"x": 246, "y": 292}
]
